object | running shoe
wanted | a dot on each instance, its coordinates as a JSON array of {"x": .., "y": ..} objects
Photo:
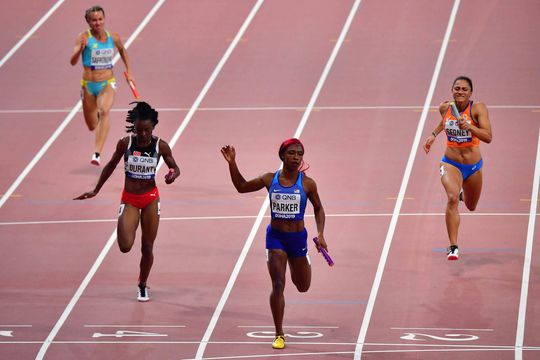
[
  {"x": 279, "y": 342},
  {"x": 453, "y": 253},
  {"x": 142, "y": 294},
  {"x": 95, "y": 159}
]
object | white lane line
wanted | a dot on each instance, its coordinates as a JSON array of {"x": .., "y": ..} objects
[
  {"x": 264, "y": 206},
  {"x": 311, "y": 343},
  {"x": 291, "y": 326},
  {"x": 133, "y": 326},
  {"x": 30, "y": 32},
  {"x": 71, "y": 114},
  {"x": 7, "y": 326},
  {"x": 111, "y": 240},
  {"x": 274, "y": 108},
  {"x": 520, "y": 333},
  {"x": 239, "y": 217},
  {"x": 216, "y": 72},
  {"x": 393, "y": 222},
  {"x": 438, "y": 329}
]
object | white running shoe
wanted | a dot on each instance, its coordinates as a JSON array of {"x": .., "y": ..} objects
[
  {"x": 95, "y": 159},
  {"x": 142, "y": 293},
  {"x": 453, "y": 253}
]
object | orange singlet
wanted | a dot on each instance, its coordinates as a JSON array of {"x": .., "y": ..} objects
[{"x": 456, "y": 137}]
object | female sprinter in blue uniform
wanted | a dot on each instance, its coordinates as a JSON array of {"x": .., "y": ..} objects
[
  {"x": 286, "y": 236},
  {"x": 461, "y": 165},
  {"x": 140, "y": 199},
  {"x": 96, "y": 47}
]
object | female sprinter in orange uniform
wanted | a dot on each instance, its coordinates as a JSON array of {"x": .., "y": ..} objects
[
  {"x": 461, "y": 165},
  {"x": 140, "y": 199},
  {"x": 96, "y": 47},
  {"x": 286, "y": 236}
]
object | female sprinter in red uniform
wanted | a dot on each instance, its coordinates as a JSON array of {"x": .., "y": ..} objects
[
  {"x": 140, "y": 199},
  {"x": 96, "y": 47},
  {"x": 461, "y": 165},
  {"x": 286, "y": 236}
]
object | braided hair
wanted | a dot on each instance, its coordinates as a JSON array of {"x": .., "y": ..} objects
[
  {"x": 141, "y": 111},
  {"x": 92, "y": 9}
]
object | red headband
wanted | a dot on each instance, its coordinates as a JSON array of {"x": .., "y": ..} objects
[{"x": 285, "y": 145}]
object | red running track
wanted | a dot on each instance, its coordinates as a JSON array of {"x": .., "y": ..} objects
[{"x": 358, "y": 139}]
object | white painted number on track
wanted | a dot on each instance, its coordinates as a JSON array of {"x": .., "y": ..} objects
[
  {"x": 446, "y": 337},
  {"x": 298, "y": 334},
  {"x": 126, "y": 333},
  {"x": 6, "y": 333}
]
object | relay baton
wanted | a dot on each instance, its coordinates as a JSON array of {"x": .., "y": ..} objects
[
  {"x": 324, "y": 252},
  {"x": 455, "y": 111},
  {"x": 132, "y": 86}
]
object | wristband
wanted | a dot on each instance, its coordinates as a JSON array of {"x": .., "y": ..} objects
[{"x": 433, "y": 133}]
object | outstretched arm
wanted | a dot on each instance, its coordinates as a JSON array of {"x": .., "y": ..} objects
[
  {"x": 241, "y": 185},
  {"x": 107, "y": 170}
]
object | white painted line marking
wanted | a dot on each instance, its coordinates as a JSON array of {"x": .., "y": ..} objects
[
  {"x": 403, "y": 188},
  {"x": 290, "y": 326},
  {"x": 438, "y": 329},
  {"x": 520, "y": 332},
  {"x": 5, "y": 326},
  {"x": 273, "y": 108},
  {"x": 134, "y": 326},
  {"x": 238, "y": 217},
  {"x": 30, "y": 32}
]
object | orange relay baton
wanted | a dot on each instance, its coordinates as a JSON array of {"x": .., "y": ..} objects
[{"x": 132, "y": 86}]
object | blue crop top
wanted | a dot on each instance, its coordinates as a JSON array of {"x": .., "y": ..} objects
[
  {"x": 287, "y": 203},
  {"x": 98, "y": 55}
]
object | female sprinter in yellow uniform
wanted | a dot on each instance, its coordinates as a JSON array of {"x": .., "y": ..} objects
[
  {"x": 96, "y": 46},
  {"x": 461, "y": 165}
]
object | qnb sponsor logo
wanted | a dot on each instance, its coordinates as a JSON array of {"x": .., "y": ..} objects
[
  {"x": 104, "y": 52},
  {"x": 142, "y": 160},
  {"x": 294, "y": 197}
]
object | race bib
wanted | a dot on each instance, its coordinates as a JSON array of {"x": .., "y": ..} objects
[
  {"x": 455, "y": 134},
  {"x": 141, "y": 167},
  {"x": 101, "y": 58},
  {"x": 285, "y": 206}
]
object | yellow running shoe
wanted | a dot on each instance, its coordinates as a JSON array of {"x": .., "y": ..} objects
[{"x": 279, "y": 342}]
